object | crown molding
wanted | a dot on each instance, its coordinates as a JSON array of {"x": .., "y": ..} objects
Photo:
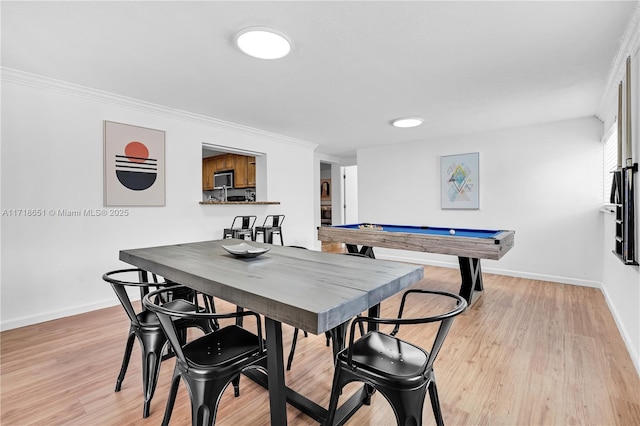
[
  {"x": 629, "y": 46},
  {"x": 36, "y": 81}
]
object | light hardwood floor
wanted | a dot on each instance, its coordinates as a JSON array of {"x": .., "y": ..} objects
[{"x": 528, "y": 353}]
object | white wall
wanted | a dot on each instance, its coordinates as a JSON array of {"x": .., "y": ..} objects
[
  {"x": 621, "y": 288},
  {"x": 621, "y": 283},
  {"x": 542, "y": 181},
  {"x": 52, "y": 158}
]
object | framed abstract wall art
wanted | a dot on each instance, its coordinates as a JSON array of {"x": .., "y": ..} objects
[
  {"x": 460, "y": 181},
  {"x": 134, "y": 165}
]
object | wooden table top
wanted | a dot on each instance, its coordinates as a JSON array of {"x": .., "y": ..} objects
[{"x": 307, "y": 289}]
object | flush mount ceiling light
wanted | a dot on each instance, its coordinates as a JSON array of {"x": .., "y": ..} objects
[
  {"x": 263, "y": 43},
  {"x": 407, "y": 122}
]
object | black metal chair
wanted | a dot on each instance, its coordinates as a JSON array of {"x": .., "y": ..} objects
[
  {"x": 210, "y": 362},
  {"x": 243, "y": 227},
  {"x": 144, "y": 326},
  {"x": 294, "y": 342},
  {"x": 399, "y": 370},
  {"x": 272, "y": 225}
]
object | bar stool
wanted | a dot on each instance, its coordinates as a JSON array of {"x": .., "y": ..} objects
[
  {"x": 272, "y": 225},
  {"x": 244, "y": 227}
]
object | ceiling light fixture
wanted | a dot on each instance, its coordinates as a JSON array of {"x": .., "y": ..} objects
[
  {"x": 263, "y": 43},
  {"x": 407, "y": 122}
]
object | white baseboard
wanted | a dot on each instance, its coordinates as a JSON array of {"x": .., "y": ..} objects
[
  {"x": 509, "y": 273},
  {"x": 52, "y": 315},
  {"x": 635, "y": 357}
]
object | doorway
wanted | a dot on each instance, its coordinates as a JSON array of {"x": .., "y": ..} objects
[
  {"x": 326, "y": 195},
  {"x": 350, "y": 194}
]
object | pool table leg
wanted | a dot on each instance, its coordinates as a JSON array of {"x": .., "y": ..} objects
[
  {"x": 471, "y": 272},
  {"x": 364, "y": 250}
]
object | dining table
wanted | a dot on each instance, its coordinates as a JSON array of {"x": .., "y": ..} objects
[{"x": 311, "y": 290}]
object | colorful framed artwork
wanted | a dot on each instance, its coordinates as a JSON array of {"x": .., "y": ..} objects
[
  {"x": 460, "y": 181},
  {"x": 134, "y": 165}
]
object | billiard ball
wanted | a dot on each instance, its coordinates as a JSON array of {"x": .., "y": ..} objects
[{"x": 452, "y": 231}]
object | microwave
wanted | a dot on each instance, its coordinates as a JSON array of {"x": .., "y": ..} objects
[{"x": 223, "y": 179}]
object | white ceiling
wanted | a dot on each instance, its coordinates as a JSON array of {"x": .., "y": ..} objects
[{"x": 463, "y": 66}]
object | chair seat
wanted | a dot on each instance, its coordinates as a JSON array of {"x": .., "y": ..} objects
[
  {"x": 236, "y": 343},
  {"x": 388, "y": 356}
]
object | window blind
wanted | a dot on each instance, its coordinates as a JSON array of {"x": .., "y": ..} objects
[{"x": 609, "y": 161}]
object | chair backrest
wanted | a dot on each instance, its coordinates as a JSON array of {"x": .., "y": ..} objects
[
  {"x": 158, "y": 302},
  {"x": 445, "y": 319},
  {"x": 273, "y": 220},
  {"x": 245, "y": 222},
  {"x": 122, "y": 279}
]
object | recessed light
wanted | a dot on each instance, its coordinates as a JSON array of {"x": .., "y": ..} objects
[
  {"x": 407, "y": 122},
  {"x": 263, "y": 43}
]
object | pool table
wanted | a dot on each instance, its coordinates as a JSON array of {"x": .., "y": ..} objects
[{"x": 469, "y": 245}]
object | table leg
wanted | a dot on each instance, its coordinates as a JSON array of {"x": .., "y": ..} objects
[
  {"x": 279, "y": 394},
  {"x": 339, "y": 338},
  {"x": 369, "y": 390},
  {"x": 374, "y": 312},
  {"x": 471, "y": 274},
  {"x": 275, "y": 377},
  {"x": 239, "y": 320}
]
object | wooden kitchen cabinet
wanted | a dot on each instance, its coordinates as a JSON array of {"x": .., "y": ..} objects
[
  {"x": 244, "y": 170},
  {"x": 251, "y": 171},
  {"x": 240, "y": 172},
  {"x": 224, "y": 162},
  {"x": 208, "y": 169}
]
